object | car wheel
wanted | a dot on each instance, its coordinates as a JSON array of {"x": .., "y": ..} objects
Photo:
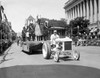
[
  {"x": 76, "y": 55},
  {"x": 46, "y": 50}
]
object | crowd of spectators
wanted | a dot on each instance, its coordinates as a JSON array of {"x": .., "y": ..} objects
[{"x": 87, "y": 40}]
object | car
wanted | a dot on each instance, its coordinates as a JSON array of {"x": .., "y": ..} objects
[
  {"x": 31, "y": 46},
  {"x": 67, "y": 49}
]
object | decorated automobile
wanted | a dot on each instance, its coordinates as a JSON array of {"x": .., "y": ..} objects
[
  {"x": 64, "y": 48},
  {"x": 32, "y": 46}
]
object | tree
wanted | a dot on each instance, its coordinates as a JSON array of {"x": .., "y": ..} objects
[
  {"x": 79, "y": 26},
  {"x": 4, "y": 30}
]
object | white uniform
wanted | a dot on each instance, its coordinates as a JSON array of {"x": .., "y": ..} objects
[{"x": 53, "y": 38}]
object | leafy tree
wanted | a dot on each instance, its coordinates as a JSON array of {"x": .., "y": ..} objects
[
  {"x": 4, "y": 31},
  {"x": 79, "y": 26}
]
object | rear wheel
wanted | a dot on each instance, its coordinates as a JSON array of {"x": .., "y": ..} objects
[
  {"x": 46, "y": 50},
  {"x": 76, "y": 55}
]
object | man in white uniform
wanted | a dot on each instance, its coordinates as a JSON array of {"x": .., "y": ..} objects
[
  {"x": 54, "y": 37},
  {"x": 57, "y": 47}
]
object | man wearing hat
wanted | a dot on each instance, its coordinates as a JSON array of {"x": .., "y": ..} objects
[
  {"x": 53, "y": 37},
  {"x": 57, "y": 47}
]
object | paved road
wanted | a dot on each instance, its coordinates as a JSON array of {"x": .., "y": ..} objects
[
  {"x": 90, "y": 56},
  {"x": 35, "y": 66}
]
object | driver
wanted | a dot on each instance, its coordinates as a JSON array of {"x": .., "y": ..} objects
[
  {"x": 56, "y": 46},
  {"x": 53, "y": 37}
]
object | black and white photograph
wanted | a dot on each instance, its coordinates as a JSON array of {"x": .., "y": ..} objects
[{"x": 49, "y": 38}]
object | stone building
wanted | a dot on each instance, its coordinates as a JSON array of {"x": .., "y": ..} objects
[{"x": 89, "y": 9}]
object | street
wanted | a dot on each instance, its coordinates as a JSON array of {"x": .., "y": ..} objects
[
  {"x": 34, "y": 65},
  {"x": 63, "y": 28}
]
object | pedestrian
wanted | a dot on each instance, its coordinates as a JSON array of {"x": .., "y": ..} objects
[
  {"x": 18, "y": 41},
  {"x": 76, "y": 40}
]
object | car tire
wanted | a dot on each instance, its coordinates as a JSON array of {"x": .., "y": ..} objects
[
  {"x": 76, "y": 55},
  {"x": 46, "y": 50}
]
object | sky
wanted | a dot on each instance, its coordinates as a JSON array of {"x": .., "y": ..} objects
[{"x": 17, "y": 11}]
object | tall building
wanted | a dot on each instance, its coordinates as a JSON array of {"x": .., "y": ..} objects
[{"x": 89, "y": 9}]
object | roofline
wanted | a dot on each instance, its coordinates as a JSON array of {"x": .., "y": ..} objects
[
  {"x": 72, "y": 3},
  {"x": 68, "y": 3}
]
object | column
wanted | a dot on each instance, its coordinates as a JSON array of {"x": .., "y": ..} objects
[
  {"x": 80, "y": 9},
  {"x": 95, "y": 11},
  {"x": 84, "y": 9},
  {"x": 91, "y": 12},
  {"x": 98, "y": 16},
  {"x": 99, "y": 9},
  {"x": 71, "y": 13},
  {"x": 75, "y": 12},
  {"x": 87, "y": 7},
  {"x": 68, "y": 16}
]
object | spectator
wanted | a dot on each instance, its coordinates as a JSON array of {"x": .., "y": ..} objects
[
  {"x": 76, "y": 40},
  {"x": 18, "y": 41}
]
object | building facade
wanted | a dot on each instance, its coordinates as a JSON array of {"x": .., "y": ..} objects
[
  {"x": 29, "y": 20},
  {"x": 89, "y": 9}
]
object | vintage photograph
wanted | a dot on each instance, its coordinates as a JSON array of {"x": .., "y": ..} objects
[{"x": 49, "y": 38}]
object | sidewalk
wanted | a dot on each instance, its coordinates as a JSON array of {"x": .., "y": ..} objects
[
  {"x": 2, "y": 57},
  {"x": 16, "y": 57}
]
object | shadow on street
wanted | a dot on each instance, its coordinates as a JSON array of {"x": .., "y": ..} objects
[
  {"x": 33, "y": 52},
  {"x": 49, "y": 71}
]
